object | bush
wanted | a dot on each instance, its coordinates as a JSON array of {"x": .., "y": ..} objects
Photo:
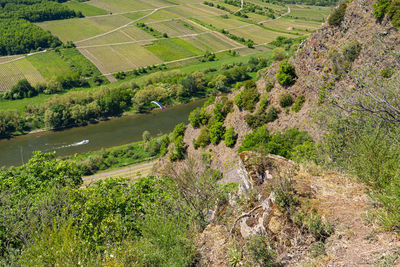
[
  {"x": 230, "y": 137},
  {"x": 272, "y": 114},
  {"x": 351, "y": 51},
  {"x": 279, "y": 144},
  {"x": 285, "y": 100},
  {"x": 394, "y": 13},
  {"x": 269, "y": 85},
  {"x": 178, "y": 131},
  {"x": 337, "y": 15},
  {"x": 298, "y": 103},
  {"x": 279, "y": 54},
  {"x": 256, "y": 120},
  {"x": 203, "y": 139},
  {"x": 286, "y": 75},
  {"x": 179, "y": 150},
  {"x": 217, "y": 131},
  {"x": 248, "y": 97},
  {"x": 380, "y": 8},
  {"x": 198, "y": 117},
  {"x": 23, "y": 89},
  {"x": 259, "y": 250}
]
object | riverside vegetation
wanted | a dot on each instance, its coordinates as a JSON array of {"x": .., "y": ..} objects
[{"x": 50, "y": 219}]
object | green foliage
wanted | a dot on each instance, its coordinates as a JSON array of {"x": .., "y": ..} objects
[
  {"x": 199, "y": 117},
  {"x": 260, "y": 117},
  {"x": 380, "y": 8},
  {"x": 394, "y": 13},
  {"x": 298, "y": 103},
  {"x": 285, "y": 197},
  {"x": 280, "y": 144},
  {"x": 313, "y": 222},
  {"x": 208, "y": 56},
  {"x": 286, "y": 74},
  {"x": 286, "y": 100},
  {"x": 259, "y": 251},
  {"x": 269, "y": 85},
  {"x": 279, "y": 54},
  {"x": 351, "y": 51},
  {"x": 222, "y": 109},
  {"x": 248, "y": 97},
  {"x": 264, "y": 101},
  {"x": 230, "y": 137},
  {"x": 203, "y": 139},
  {"x": 178, "y": 131},
  {"x": 337, "y": 15},
  {"x": 387, "y": 72},
  {"x": 179, "y": 151},
  {"x": 20, "y": 36},
  {"x": 23, "y": 89},
  {"x": 217, "y": 131}
]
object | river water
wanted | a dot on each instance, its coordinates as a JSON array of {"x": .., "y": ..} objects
[{"x": 119, "y": 131}]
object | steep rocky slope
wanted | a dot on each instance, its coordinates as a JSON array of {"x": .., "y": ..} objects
[{"x": 338, "y": 199}]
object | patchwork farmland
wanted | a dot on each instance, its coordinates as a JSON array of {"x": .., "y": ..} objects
[{"x": 122, "y": 35}]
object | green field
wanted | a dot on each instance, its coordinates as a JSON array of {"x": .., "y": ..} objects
[
  {"x": 173, "y": 49},
  {"x": 49, "y": 64},
  {"x": 87, "y": 10},
  {"x": 110, "y": 39}
]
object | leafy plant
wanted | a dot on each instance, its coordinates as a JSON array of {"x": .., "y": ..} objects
[{"x": 286, "y": 74}]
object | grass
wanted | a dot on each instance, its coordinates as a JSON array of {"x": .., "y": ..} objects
[
  {"x": 79, "y": 63},
  {"x": 310, "y": 12},
  {"x": 173, "y": 49},
  {"x": 49, "y": 64},
  {"x": 87, "y": 10}
]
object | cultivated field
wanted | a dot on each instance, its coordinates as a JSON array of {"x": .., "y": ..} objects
[{"x": 110, "y": 38}]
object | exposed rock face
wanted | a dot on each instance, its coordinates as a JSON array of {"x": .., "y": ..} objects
[{"x": 213, "y": 246}]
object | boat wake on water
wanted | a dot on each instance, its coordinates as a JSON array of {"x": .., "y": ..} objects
[{"x": 83, "y": 142}]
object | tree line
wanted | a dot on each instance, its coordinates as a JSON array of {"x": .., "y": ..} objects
[
  {"x": 19, "y": 35},
  {"x": 77, "y": 108}
]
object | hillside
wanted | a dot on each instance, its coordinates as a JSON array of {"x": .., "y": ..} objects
[{"x": 340, "y": 71}]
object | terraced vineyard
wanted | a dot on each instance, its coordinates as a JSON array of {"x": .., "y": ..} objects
[
  {"x": 122, "y": 35},
  {"x": 175, "y": 30}
]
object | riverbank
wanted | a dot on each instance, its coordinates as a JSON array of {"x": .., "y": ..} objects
[{"x": 106, "y": 134}]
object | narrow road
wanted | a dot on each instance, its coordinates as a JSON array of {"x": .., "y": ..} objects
[{"x": 103, "y": 175}]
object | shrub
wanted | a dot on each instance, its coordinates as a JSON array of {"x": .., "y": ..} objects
[
  {"x": 203, "y": 139},
  {"x": 285, "y": 100},
  {"x": 279, "y": 144},
  {"x": 256, "y": 120},
  {"x": 217, "y": 132},
  {"x": 264, "y": 101},
  {"x": 279, "y": 54},
  {"x": 269, "y": 85},
  {"x": 272, "y": 114},
  {"x": 394, "y": 13},
  {"x": 286, "y": 75},
  {"x": 23, "y": 89},
  {"x": 248, "y": 97},
  {"x": 222, "y": 109},
  {"x": 298, "y": 103},
  {"x": 351, "y": 51},
  {"x": 259, "y": 250},
  {"x": 198, "y": 117},
  {"x": 337, "y": 15},
  {"x": 380, "y": 8},
  {"x": 179, "y": 149},
  {"x": 230, "y": 137},
  {"x": 178, "y": 131}
]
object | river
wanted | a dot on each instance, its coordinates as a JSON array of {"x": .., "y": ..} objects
[{"x": 114, "y": 132}]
